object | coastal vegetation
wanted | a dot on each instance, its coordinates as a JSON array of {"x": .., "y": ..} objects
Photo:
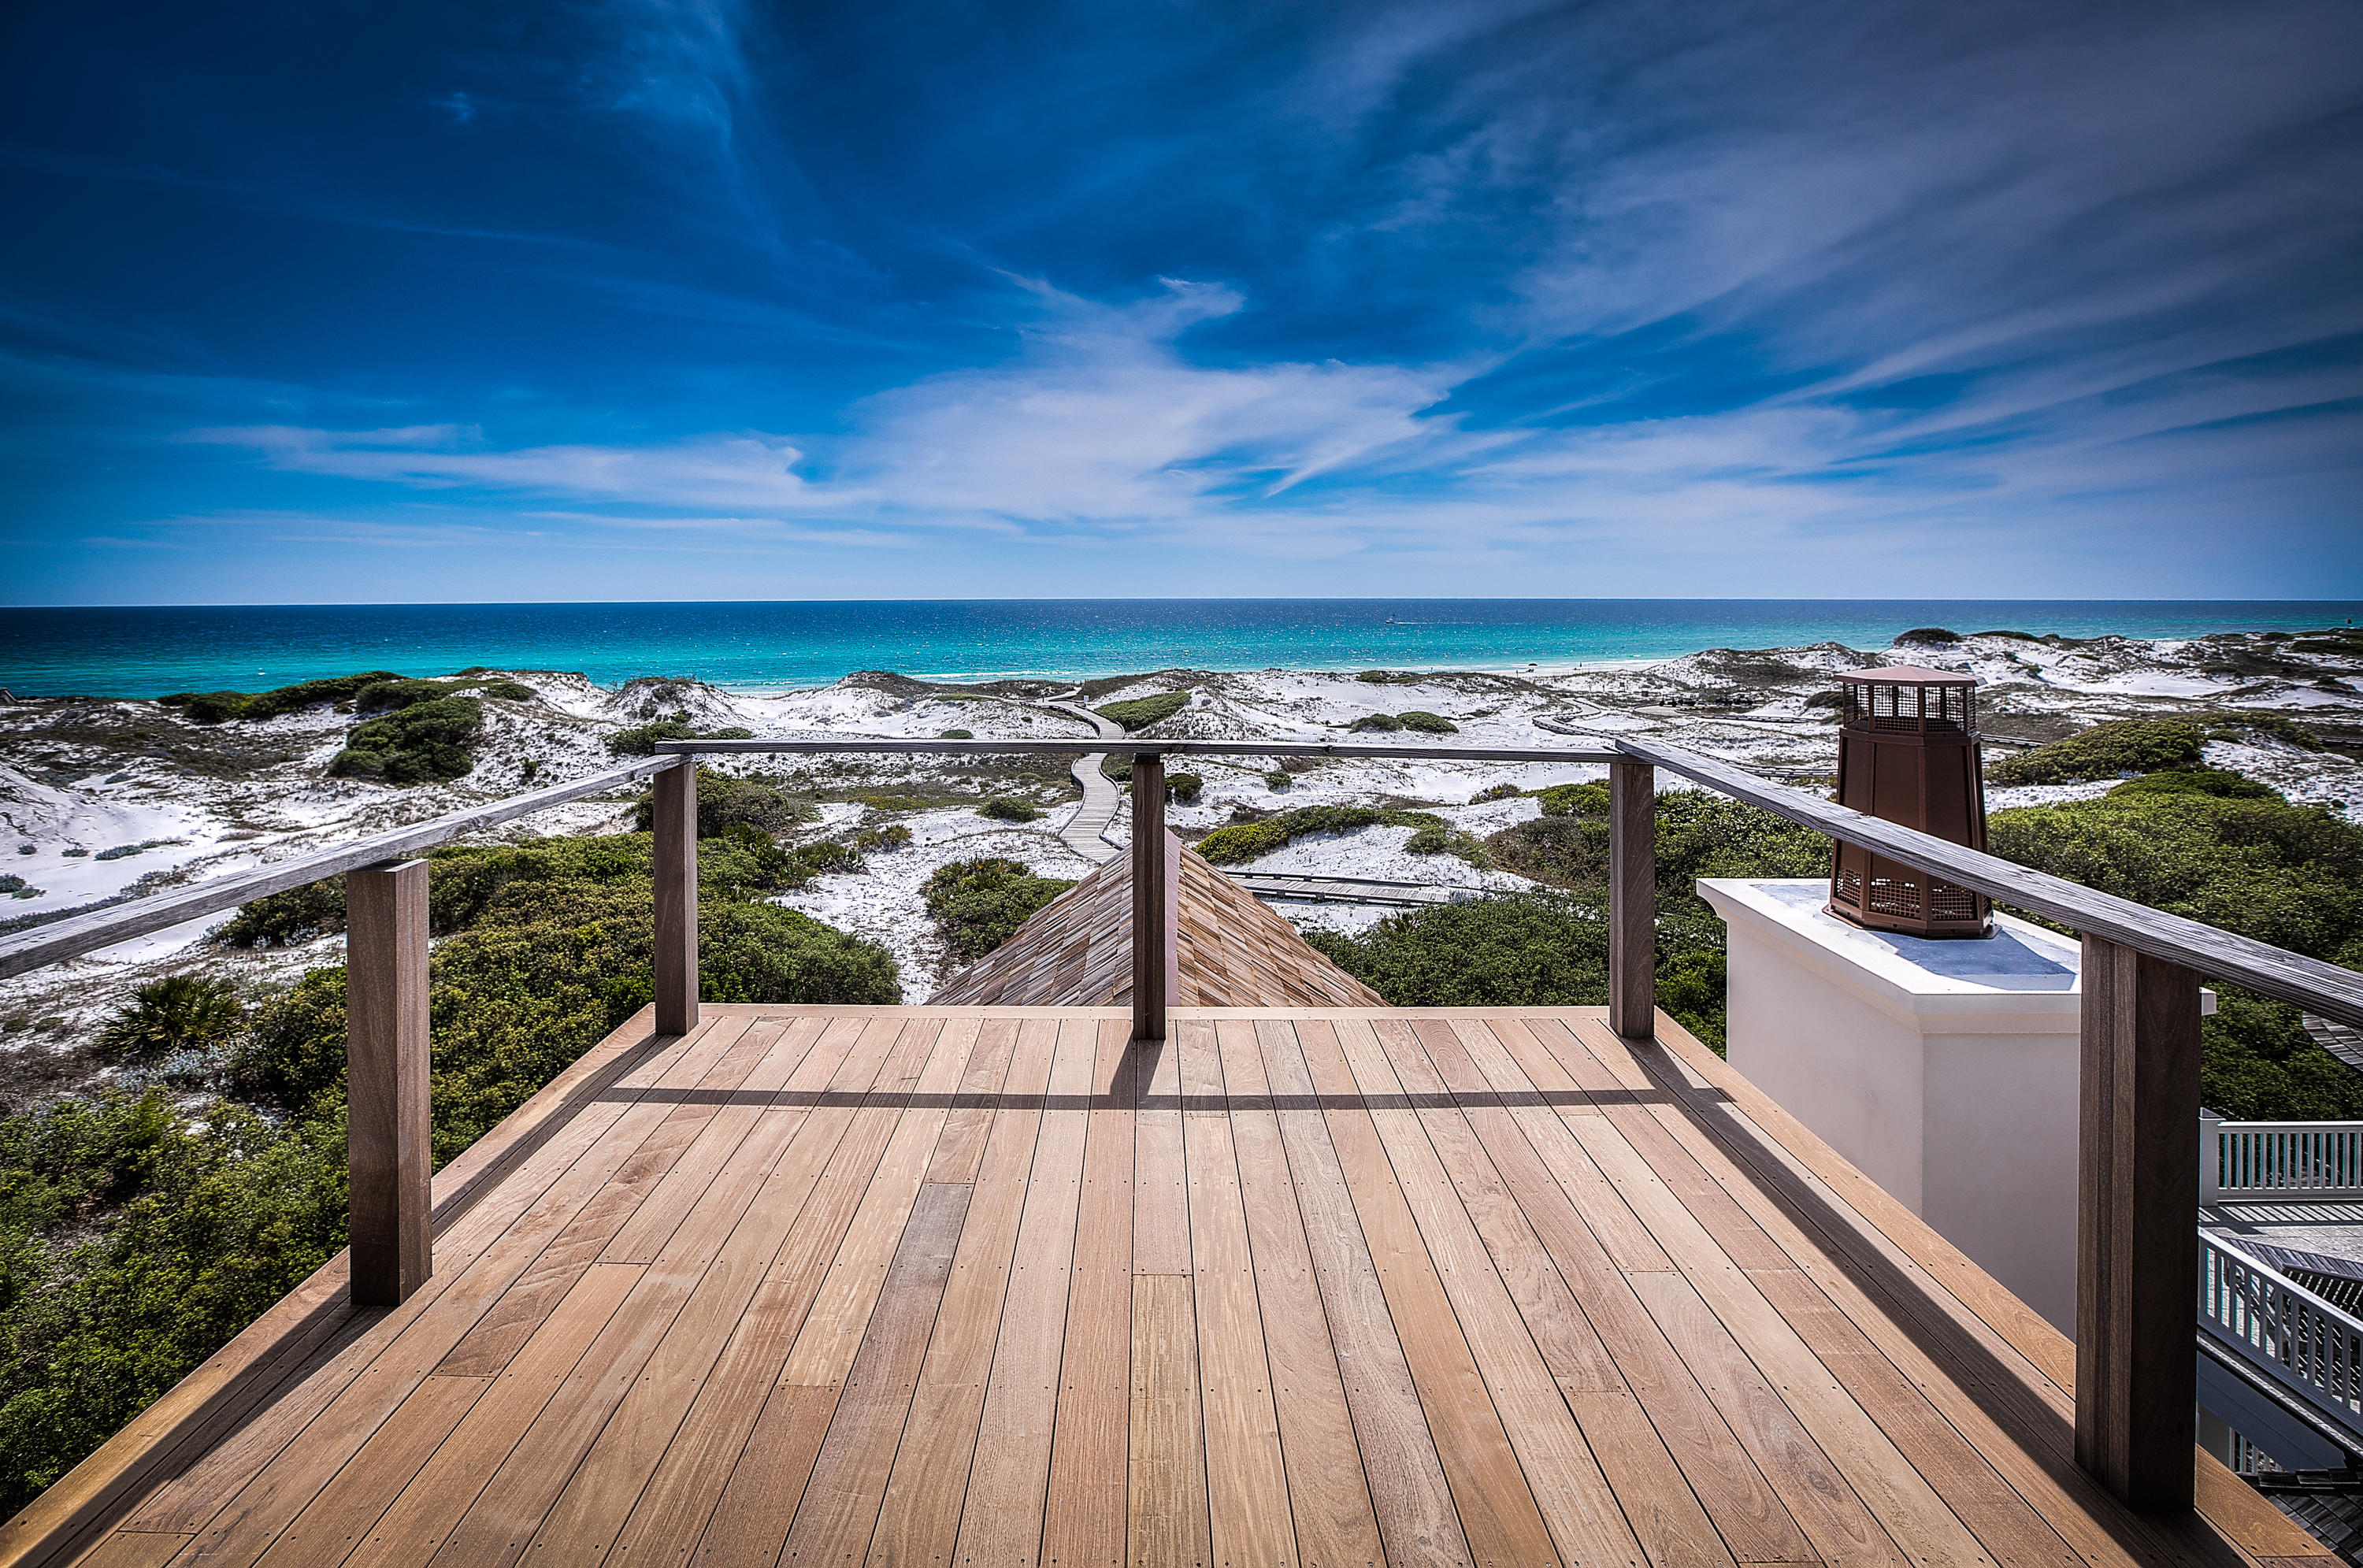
[
  {"x": 640, "y": 740},
  {"x": 977, "y": 905},
  {"x": 1009, "y": 809},
  {"x": 1142, "y": 712},
  {"x": 422, "y": 743},
  {"x": 372, "y": 692},
  {"x": 2123, "y": 747},
  {"x": 1243, "y": 842},
  {"x": 1428, "y": 724}
]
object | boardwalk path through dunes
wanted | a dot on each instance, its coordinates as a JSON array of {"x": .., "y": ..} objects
[{"x": 1085, "y": 831}]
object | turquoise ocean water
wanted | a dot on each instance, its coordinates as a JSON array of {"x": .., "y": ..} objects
[{"x": 148, "y": 651}]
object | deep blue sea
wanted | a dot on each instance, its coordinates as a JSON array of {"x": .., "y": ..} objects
[{"x": 148, "y": 651}]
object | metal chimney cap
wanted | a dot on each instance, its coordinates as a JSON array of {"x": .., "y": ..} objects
[{"x": 1911, "y": 674}]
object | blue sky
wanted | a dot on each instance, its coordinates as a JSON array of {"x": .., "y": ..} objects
[{"x": 627, "y": 300}]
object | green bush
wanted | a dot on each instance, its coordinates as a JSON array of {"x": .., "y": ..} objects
[
  {"x": 2219, "y": 782},
  {"x": 2104, "y": 751},
  {"x": 893, "y": 836},
  {"x": 1502, "y": 791},
  {"x": 977, "y": 905},
  {"x": 1279, "y": 779},
  {"x": 422, "y": 743},
  {"x": 1243, "y": 842},
  {"x": 1936, "y": 635},
  {"x": 1006, "y": 809},
  {"x": 956, "y": 734},
  {"x": 135, "y": 1238},
  {"x": 1381, "y": 721},
  {"x": 1575, "y": 799},
  {"x": 1540, "y": 949},
  {"x": 397, "y": 693},
  {"x": 1427, "y": 723},
  {"x": 1184, "y": 786},
  {"x": 1143, "y": 712},
  {"x": 725, "y": 800},
  {"x": 640, "y": 740},
  {"x": 219, "y": 707},
  {"x": 1374, "y": 677},
  {"x": 179, "y": 1012}
]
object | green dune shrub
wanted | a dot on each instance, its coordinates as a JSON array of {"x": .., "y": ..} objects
[
  {"x": 422, "y": 743},
  {"x": 219, "y": 707},
  {"x": 2222, "y": 783},
  {"x": 725, "y": 800},
  {"x": 1931, "y": 634},
  {"x": 977, "y": 905},
  {"x": 1501, "y": 792},
  {"x": 1184, "y": 787},
  {"x": 1006, "y": 809},
  {"x": 640, "y": 740},
  {"x": 1143, "y": 712},
  {"x": 2121, "y": 746},
  {"x": 1380, "y": 722},
  {"x": 1427, "y": 723}
]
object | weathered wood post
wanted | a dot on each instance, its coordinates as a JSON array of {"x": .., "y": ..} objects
[
  {"x": 1633, "y": 899},
  {"x": 1151, "y": 897},
  {"x": 676, "y": 889},
  {"x": 389, "y": 1161},
  {"x": 2137, "y": 1247}
]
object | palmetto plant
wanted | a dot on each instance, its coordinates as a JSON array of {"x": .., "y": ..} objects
[{"x": 176, "y": 1013}]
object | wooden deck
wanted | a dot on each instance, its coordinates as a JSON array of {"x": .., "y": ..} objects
[{"x": 945, "y": 1286}]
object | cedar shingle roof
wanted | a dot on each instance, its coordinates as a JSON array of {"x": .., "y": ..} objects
[{"x": 1232, "y": 951}]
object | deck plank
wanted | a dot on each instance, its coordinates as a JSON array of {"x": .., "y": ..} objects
[
  {"x": 1659, "y": 1508},
  {"x": 839, "y": 1508},
  {"x": 673, "y": 1505},
  {"x": 1328, "y": 1493},
  {"x": 1166, "y": 1518},
  {"x": 1744, "y": 1507},
  {"x": 1999, "y": 1402},
  {"x": 600, "y": 1495},
  {"x": 367, "y": 1376},
  {"x": 1499, "y": 1513},
  {"x": 1835, "y": 1521},
  {"x": 1002, "y": 1517},
  {"x": 1416, "y": 1519},
  {"x": 1246, "y": 1481},
  {"x": 1084, "y": 1518},
  {"x": 1560, "y": 1469},
  {"x": 918, "y": 1519}
]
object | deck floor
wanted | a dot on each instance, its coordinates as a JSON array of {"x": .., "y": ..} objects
[{"x": 989, "y": 1286}]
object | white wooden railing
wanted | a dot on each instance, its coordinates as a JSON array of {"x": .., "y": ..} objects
[
  {"x": 2300, "y": 1341},
  {"x": 2279, "y": 1162}
]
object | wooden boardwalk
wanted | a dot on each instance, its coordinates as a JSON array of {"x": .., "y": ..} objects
[{"x": 969, "y": 1286}]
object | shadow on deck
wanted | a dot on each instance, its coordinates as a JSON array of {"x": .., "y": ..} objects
[{"x": 994, "y": 1285}]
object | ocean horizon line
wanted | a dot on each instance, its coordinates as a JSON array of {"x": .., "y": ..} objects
[{"x": 133, "y": 651}]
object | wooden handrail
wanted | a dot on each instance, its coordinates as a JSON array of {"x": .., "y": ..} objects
[{"x": 100, "y": 928}]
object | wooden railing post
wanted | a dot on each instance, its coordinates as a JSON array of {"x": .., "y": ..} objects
[
  {"x": 2136, "y": 1251},
  {"x": 676, "y": 889},
  {"x": 1152, "y": 899},
  {"x": 387, "y": 1132},
  {"x": 1633, "y": 899}
]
